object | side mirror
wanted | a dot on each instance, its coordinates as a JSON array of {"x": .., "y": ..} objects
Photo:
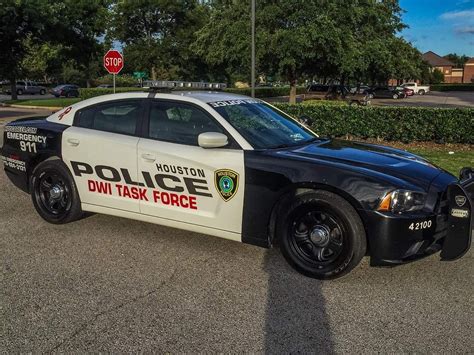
[
  {"x": 212, "y": 140},
  {"x": 306, "y": 120}
]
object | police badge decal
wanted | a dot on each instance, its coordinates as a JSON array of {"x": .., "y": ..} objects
[{"x": 227, "y": 183}]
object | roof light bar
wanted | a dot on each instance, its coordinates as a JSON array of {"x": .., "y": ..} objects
[{"x": 165, "y": 84}]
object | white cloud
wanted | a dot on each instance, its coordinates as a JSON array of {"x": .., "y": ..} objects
[
  {"x": 465, "y": 30},
  {"x": 455, "y": 15}
]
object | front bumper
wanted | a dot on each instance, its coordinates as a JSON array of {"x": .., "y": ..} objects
[{"x": 398, "y": 239}]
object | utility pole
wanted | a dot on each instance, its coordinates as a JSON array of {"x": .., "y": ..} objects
[{"x": 252, "y": 69}]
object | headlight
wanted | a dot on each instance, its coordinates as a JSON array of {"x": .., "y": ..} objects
[{"x": 400, "y": 201}]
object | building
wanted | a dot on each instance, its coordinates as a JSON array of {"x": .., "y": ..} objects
[
  {"x": 469, "y": 71},
  {"x": 451, "y": 74}
]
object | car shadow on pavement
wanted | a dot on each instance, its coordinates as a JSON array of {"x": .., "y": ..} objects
[{"x": 296, "y": 319}]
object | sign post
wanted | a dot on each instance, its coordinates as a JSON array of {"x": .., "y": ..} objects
[{"x": 113, "y": 62}]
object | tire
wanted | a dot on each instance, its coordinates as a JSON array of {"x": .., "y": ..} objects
[
  {"x": 321, "y": 235},
  {"x": 42, "y": 92},
  {"x": 54, "y": 193},
  {"x": 421, "y": 92},
  {"x": 69, "y": 95},
  {"x": 19, "y": 92},
  {"x": 395, "y": 96}
]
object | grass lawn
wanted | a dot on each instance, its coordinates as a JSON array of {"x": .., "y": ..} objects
[
  {"x": 450, "y": 162},
  {"x": 59, "y": 102}
]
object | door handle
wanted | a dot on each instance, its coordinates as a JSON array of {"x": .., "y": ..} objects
[
  {"x": 73, "y": 142},
  {"x": 148, "y": 157}
]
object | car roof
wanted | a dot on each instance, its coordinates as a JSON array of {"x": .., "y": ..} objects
[
  {"x": 65, "y": 116},
  {"x": 211, "y": 96}
]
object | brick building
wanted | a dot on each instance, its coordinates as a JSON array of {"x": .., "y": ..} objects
[
  {"x": 451, "y": 74},
  {"x": 469, "y": 71}
]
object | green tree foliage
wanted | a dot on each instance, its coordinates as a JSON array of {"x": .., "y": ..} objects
[
  {"x": 342, "y": 40},
  {"x": 437, "y": 76},
  {"x": 157, "y": 35},
  {"x": 27, "y": 26},
  {"x": 458, "y": 60}
]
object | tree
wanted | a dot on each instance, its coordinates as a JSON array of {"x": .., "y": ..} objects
[
  {"x": 157, "y": 35},
  {"x": 26, "y": 26},
  {"x": 458, "y": 60},
  {"x": 437, "y": 76},
  {"x": 18, "y": 20}
]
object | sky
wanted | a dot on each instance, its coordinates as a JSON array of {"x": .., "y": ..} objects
[{"x": 441, "y": 26}]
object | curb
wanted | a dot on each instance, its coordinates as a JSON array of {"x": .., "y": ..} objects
[{"x": 54, "y": 108}]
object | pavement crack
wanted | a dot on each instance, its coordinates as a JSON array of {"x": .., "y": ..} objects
[{"x": 84, "y": 326}]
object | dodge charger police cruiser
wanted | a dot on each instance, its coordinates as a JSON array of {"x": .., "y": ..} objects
[{"x": 238, "y": 168}]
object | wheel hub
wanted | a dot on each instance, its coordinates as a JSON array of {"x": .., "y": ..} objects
[
  {"x": 56, "y": 192},
  {"x": 319, "y": 235}
]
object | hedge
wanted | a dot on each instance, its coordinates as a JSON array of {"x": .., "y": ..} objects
[
  {"x": 405, "y": 124},
  {"x": 452, "y": 87},
  {"x": 266, "y": 91},
  {"x": 259, "y": 92},
  {"x": 93, "y": 92}
]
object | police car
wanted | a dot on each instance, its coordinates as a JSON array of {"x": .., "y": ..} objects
[{"x": 238, "y": 168}]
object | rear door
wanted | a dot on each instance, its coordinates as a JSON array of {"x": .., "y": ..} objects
[
  {"x": 187, "y": 183},
  {"x": 101, "y": 152}
]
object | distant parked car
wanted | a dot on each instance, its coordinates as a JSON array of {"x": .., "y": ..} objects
[
  {"x": 381, "y": 92},
  {"x": 418, "y": 89},
  {"x": 336, "y": 92},
  {"x": 27, "y": 87},
  {"x": 105, "y": 86},
  {"x": 362, "y": 89},
  {"x": 66, "y": 90},
  {"x": 408, "y": 91}
]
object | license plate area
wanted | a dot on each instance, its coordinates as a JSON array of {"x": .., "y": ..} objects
[{"x": 459, "y": 232}]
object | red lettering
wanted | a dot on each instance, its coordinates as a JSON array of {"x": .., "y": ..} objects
[
  {"x": 165, "y": 198},
  {"x": 91, "y": 185},
  {"x": 192, "y": 203},
  {"x": 103, "y": 187},
  {"x": 183, "y": 201},
  {"x": 126, "y": 192},
  {"x": 174, "y": 200},
  {"x": 156, "y": 196},
  {"x": 143, "y": 194}
]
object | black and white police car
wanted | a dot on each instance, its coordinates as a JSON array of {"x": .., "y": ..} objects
[{"x": 238, "y": 168}]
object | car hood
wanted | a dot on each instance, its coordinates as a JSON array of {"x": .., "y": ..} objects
[{"x": 390, "y": 161}]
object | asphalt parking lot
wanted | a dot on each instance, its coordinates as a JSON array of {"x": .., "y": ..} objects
[{"x": 115, "y": 285}]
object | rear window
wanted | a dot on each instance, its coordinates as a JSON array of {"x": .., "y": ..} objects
[{"x": 116, "y": 117}]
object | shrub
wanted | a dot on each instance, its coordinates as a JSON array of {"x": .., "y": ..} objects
[
  {"x": 93, "y": 92},
  {"x": 452, "y": 87},
  {"x": 405, "y": 124},
  {"x": 266, "y": 92}
]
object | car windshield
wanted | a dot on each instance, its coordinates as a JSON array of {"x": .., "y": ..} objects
[{"x": 263, "y": 126}]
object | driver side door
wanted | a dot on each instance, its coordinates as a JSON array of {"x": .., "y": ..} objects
[{"x": 187, "y": 183}]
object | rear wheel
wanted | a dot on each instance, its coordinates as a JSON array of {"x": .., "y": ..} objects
[
  {"x": 395, "y": 96},
  {"x": 321, "y": 235},
  {"x": 54, "y": 193},
  {"x": 42, "y": 91},
  {"x": 19, "y": 92}
]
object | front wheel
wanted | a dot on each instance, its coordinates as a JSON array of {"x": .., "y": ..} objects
[
  {"x": 421, "y": 92},
  {"x": 42, "y": 92},
  {"x": 395, "y": 96},
  {"x": 321, "y": 235},
  {"x": 54, "y": 193},
  {"x": 19, "y": 92}
]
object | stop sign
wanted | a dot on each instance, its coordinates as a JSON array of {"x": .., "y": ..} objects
[{"x": 113, "y": 61}]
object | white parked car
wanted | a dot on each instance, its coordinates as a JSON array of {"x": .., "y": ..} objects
[{"x": 418, "y": 89}]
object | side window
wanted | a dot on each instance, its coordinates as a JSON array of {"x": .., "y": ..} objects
[
  {"x": 117, "y": 117},
  {"x": 20, "y": 83},
  {"x": 179, "y": 122}
]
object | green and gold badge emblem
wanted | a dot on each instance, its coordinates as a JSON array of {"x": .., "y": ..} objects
[{"x": 227, "y": 183}]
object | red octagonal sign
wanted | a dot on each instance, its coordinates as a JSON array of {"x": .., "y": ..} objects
[{"x": 113, "y": 61}]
